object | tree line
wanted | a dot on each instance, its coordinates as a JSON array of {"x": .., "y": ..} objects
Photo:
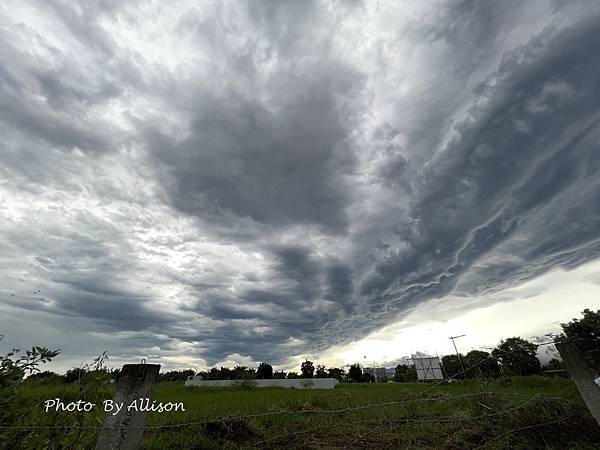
[{"x": 512, "y": 356}]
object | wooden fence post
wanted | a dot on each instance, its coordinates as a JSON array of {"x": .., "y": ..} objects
[
  {"x": 582, "y": 359},
  {"x": 136, "y": 381}
]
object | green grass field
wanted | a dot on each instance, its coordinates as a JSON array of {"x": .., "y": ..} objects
[{"x": 522, "y": 412}]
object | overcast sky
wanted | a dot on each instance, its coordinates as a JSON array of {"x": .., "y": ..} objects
[{"x": 214, "y": 182}]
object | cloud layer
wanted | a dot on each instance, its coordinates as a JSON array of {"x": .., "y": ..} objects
[{"x": 271, "y": 179}]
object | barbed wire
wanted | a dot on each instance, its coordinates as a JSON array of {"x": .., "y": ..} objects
[
  {"x": 514, "y": 430},
  {"x": 403, "y": 420},
  {"x": 265, "y": 414},
  {"x": 421, "y": 397},
  {"x": 281, "y": 413}
]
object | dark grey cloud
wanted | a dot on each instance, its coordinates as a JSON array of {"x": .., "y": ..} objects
[
  {"x": 270, "y": 179},
  {"x": 340, "y": 284},
  {"x": 277, "y": 168},
  {"x": 513, "y": 169}
]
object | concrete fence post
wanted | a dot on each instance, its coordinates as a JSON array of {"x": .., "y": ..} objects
[
  {"x": 582, "y": 359},
  {"x": 136, "y": 381}
]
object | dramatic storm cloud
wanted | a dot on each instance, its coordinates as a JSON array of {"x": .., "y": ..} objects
[{"x": 203, "y": 182}]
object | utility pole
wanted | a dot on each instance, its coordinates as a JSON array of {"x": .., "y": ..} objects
[
  {"x": 583, "y": 365},
  {"x": 458, "y": 354}
]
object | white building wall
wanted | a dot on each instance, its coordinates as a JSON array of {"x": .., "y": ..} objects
[{"x": 300, "y": 383}]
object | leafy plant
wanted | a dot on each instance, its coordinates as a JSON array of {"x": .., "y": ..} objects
[
  {"x": 32, "y": 427},
  {"x": 12, "y": 370}
]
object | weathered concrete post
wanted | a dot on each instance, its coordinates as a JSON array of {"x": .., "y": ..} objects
[
  {"x": 583, "y": 363},
  {"x": 135, "y": 381}
]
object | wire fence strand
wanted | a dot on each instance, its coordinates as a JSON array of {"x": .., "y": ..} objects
[
  {"x": 282, "y": 413},
  {"x": 397, "y": 421},
  {"x": 265, "y": 414}
]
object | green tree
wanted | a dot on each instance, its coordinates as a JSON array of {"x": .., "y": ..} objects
[
  {"x": 264, "y": 371},
  {"x": 225, "y": 373},
  {"x": 213, "y": 374},
  {"x": 367, "y": 378},
  {"x": 405, "y": 373},
  {"x": 292, "y": 375},
  {"x": 337, "y": 373},
  {"x": 452, "y": 366},
  {"x": 586, "y": 328},
  {"x": 280, "y": 375},
  {"x": 45, "y": 377},
  {"x": 172, "y": 375},
  {"x": 308, "y": 369},
  {"x": 480, "y": 364},
  {"x": 242, "y": 373},
  {"x": 355, "y": 373},
  {"x": 321, "y": 371},
  {"x": 518, "y": 355},
  {"x": 556, "y": 365},
  {"x": 74, "y": 375}
]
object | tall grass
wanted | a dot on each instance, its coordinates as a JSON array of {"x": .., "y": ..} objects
[{"x": 461, "y": 415}]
